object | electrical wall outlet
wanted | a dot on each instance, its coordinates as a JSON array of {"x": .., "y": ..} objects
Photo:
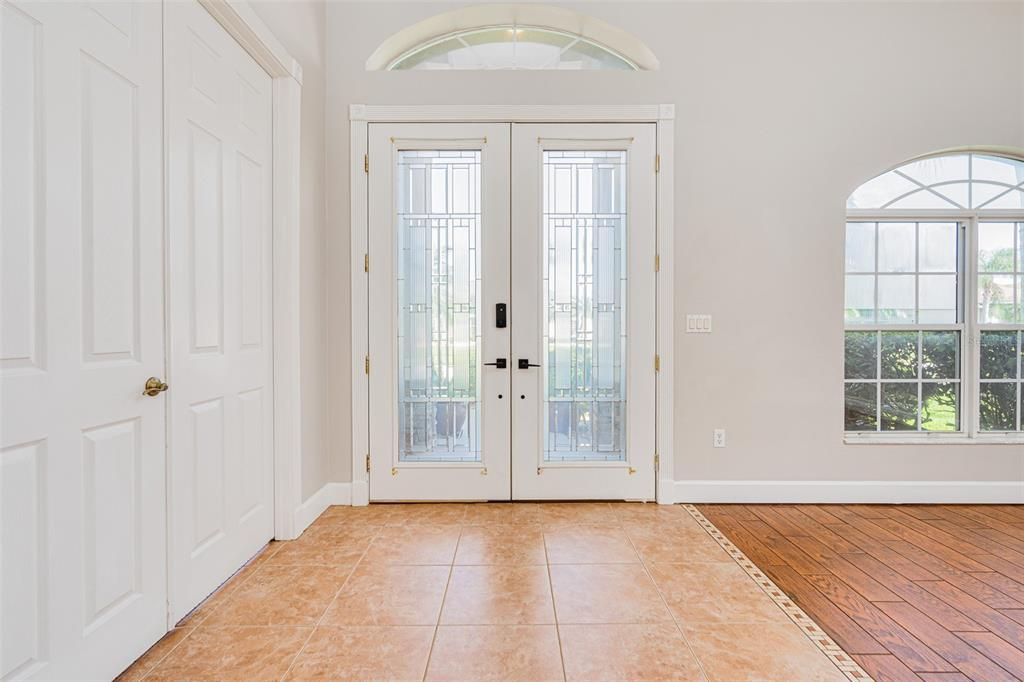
[{"x": 719, "y": 438}]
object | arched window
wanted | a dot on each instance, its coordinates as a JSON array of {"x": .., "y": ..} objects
[
  {"x": 502, "y": 37},
  {"x": 949, "y": 181},
  {"x": 935, "y": 299},
  {"x": 512, "y": 47}
]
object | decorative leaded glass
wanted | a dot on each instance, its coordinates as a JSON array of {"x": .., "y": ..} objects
[
  {"x": 585, "y": 279},
  {"x": 438, "y": 284}
]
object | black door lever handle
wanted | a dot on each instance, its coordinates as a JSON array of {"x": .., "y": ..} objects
[
  {"x": 500, "y": 363},
  {"x": 524, "y": 363}
]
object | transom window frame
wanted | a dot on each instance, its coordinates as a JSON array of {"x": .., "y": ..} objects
[{"x": 970, "y": 328}]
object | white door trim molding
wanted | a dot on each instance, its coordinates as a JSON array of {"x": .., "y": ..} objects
[
  {"x": 846, "y": 492},
  {"x": 360, "y": 115},
  {"x": 242, "y": 23},
  {"x": 512, "y": 113}
]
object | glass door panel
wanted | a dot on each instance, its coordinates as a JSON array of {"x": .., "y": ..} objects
[
  {"x": 438, "y": 285},
  {"x": 584, "y": 295}
]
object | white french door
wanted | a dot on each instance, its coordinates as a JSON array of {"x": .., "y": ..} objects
[
  {"x": 219, "y": 220},
  {"x": 583, "y": 248},
  {"x": 511, "y": 311},
  {"x": 82, "y": 458},
  {"x": 438, "y": 267}
]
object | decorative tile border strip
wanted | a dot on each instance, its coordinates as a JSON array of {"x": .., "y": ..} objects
[{"x": 826, "y": 644}]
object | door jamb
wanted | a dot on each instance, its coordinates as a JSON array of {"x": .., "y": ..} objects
[
  {"x": 663, "y": 115},
  {"x": 242, "y": 23}
]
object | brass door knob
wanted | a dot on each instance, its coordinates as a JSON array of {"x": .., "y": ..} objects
[{"x": 154, "y": 387}]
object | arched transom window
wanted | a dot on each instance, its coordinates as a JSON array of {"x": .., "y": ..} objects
[
  {"x": 951, "y": 181},
  {"x": 512, "y": 36},
  {"x": 512, "y": 47},
  {"x": 935, "y": 300}
]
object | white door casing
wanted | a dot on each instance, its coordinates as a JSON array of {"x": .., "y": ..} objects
[
  {"x": 82, "y": 456},
  {"x": 579, "y": 475},
  {"x": 394, "y": 477},
  {"x": 662, "y": 116},
  {"x": 219, "y": 231}
]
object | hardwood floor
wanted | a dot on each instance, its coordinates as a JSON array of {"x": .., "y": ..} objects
[{"x": 912, "y": 592}]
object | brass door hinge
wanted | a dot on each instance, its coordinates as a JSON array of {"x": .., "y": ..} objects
[
  {"x": 366, "y": 163},
  {"x": 657, "y": 461},
  {"x": 657, "y": 262},
  {"x": 657, "y": 363},
  {"x": 657, "y": 163},
  {"x": 366, "y": 262},
  {"x": 366, "y": 367},
  {"x": 367, "y": 462}
]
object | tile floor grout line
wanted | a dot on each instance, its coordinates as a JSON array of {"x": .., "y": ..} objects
[
  {"x": 440, "y": 610},
  {"x": 554, "y": 608},
  {"x": 243, "y": 581},
  {"x": 161, "y": 659},
  {"x": 675, "y": 621},
  {"x": 319, "y": 620},
  {"x": 200, "y": 622},
  {"x": 824, "y": 643}
]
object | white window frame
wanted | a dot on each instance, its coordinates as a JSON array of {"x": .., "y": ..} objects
[{"x": 970, "y": 356}]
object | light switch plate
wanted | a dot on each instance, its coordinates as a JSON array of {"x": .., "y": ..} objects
[{"x": 698, "y": 324}]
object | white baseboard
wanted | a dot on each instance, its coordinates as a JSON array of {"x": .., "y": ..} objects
[
  {"x": 740, "y": 492},
  {"x": 851, "y": 492},
  {"x": 311, "y": 509}
]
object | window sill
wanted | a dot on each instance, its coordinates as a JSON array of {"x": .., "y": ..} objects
[{"x": 935, "y": 439}]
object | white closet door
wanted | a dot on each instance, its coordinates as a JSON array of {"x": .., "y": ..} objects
[
  {"x": 583, "y": 283},
  {"x": 218, "y": 119},
  {"x": 82, "y": 456}
]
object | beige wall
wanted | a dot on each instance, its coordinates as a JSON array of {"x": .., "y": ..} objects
[
  {"x": 301, "y": 28},
  {"x": 781, "y": 109}
]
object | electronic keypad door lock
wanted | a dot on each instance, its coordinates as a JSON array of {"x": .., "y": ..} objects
[{"x": 500, "y": 315}]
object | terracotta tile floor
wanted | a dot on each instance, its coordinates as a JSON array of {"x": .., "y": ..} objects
[{"x": 549, "y": 591}]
